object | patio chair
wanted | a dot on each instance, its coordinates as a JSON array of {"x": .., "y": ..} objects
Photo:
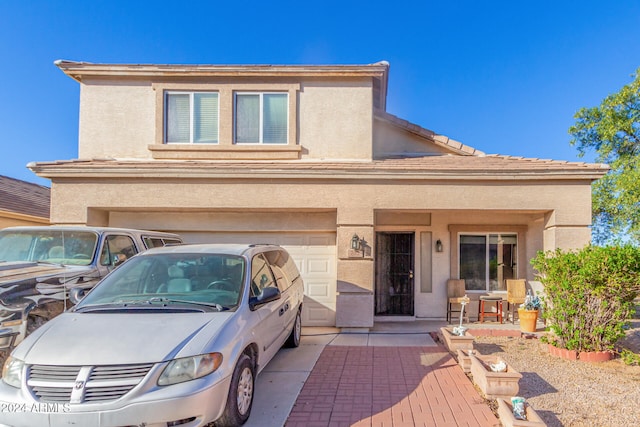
[
  {"x": 516, "y": 293},
  {"x": 455, "y": 294}
]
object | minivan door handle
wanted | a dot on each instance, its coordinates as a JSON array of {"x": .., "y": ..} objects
[{"x": 283, "y": 309}]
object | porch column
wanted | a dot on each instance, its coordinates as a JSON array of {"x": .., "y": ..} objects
[
  {"x": 354, "y": 300},
  {"x": 567, "y": 234}
]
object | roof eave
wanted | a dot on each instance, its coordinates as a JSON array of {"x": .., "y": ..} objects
[
  {"x": 78, "y": 70},
  {"x": 103, "y": 169}
]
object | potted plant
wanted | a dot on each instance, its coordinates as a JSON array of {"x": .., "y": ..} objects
[{"x": 528, "y": 312}]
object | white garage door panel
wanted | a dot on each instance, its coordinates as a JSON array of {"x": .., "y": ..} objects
[
  {"x": 316, "y": 260},
  {"x": 318, "y": 291},
  {"x": 315, "y": 256}
]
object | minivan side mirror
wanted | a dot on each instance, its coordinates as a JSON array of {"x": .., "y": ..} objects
[{"x": 267, "y": 295}]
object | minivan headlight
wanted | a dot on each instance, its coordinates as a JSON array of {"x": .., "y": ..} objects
[
  {"x": 190, "y": 368},
  {"x": 12, "y": 372}
]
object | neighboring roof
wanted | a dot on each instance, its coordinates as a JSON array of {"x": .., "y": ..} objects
[
  {"x": 24, "y": 197},
  {"x": 378, "y": 71},
  {"x": 434, "y": 167}
]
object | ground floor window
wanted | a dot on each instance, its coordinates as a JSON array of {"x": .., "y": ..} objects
[{"x": 486, "y": 260}]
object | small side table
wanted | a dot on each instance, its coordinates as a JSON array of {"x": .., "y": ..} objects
[{"x": 481, "y": 309}]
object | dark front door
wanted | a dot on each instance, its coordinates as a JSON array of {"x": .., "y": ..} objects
[{"x": 394, "y": 274}]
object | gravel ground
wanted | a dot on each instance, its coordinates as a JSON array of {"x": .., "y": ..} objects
[{"x": 570, "y": 393}]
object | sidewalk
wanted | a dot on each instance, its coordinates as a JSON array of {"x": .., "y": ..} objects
[{"x": 395, "y": 375}]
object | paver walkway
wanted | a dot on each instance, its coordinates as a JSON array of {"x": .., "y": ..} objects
[{"x": 388, "y": 387}]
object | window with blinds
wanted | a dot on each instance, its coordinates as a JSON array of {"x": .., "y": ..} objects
[
  {"x": 261, "y": 118},
  {"x": 191, "y": 117}
]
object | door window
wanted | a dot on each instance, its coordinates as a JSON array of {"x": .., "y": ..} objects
[
  {"x": 283, "y": 267},
  {"x": 261, "y": 276},
  {"x": 116, "y": 249}
]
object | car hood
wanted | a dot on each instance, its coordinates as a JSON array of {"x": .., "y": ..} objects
[{"x": 120, "y": 338}]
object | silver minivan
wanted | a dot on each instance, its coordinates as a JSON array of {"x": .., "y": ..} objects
[{"x": 173, "y": 337}]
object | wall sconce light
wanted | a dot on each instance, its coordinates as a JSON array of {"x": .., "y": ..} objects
[
  {"x": 438, "y": 245},
  {"x": 355, "y": 242}
]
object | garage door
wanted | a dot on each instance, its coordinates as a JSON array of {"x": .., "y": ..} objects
[{"x": 315, "y": 256}]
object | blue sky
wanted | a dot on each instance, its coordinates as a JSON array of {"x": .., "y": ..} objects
[{"x": 504, "y": 77}]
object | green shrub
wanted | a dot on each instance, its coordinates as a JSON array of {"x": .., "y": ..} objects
[
  {"x": 629, "y": 357},
  {"x": 589, "y": 294}
]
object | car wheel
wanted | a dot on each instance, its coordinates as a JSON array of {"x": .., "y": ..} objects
[
  {"x": 240, "y": 397},
  {"x": 296, "y": 332}
]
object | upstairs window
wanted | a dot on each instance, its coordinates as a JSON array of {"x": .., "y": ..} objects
[
  {"x": 261, "y": 118},
  {"x": 191, "y": 117}
]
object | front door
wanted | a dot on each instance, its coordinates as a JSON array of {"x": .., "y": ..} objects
[{"x": 394, "y": 293}]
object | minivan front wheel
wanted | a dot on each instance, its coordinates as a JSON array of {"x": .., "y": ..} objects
[{"x": 240, "y": 397}]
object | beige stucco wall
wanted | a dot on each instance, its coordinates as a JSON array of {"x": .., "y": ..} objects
[
  {"x": 120, "y": 120},
  {"x": 355, "y": 203},
  {"x": 116, "y": 120},
  {"x": 335, "y": 120},
  {"x": 570, "y": 204}
]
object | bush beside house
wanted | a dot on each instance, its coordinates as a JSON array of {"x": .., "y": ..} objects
[{"x": 589, "y": 294}]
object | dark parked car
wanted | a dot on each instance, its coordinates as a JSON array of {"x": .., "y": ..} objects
[{"x": 40, "y": 265}]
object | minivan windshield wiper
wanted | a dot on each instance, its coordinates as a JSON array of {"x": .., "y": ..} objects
[
  {"x": 119, "y": 304},
  {"x": 174, "y": 300}
]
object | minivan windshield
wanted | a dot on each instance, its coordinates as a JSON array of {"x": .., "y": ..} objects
[
  {"x": 48, "y": 245},
  {"x": 210, "y": 280}
]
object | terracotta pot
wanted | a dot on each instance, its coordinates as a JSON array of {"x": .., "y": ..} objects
[{"x": 528, "y": 320}]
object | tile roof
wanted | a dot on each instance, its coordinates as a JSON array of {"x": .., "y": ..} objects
[{"x": 24, "y": 197}]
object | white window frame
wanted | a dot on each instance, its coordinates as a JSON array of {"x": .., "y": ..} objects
[
  {"x": 261, "y": 119},
  {"x": 191, "y": 116},
  {"x": 488, "y": 235}
]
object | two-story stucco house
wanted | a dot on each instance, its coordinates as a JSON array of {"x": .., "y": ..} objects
[{"x": 378, "y": 212}]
